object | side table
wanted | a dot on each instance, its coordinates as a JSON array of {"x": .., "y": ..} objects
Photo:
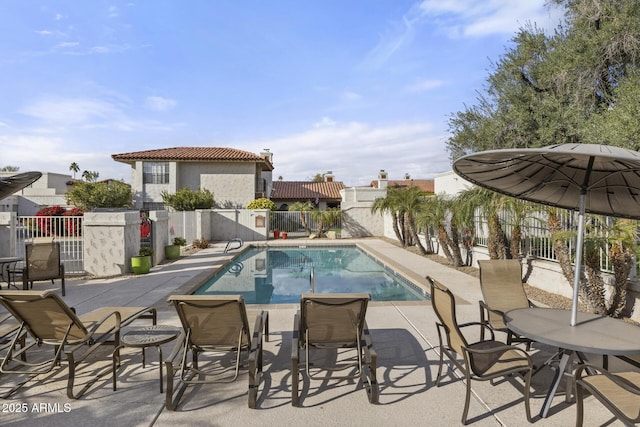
[{"x": 143, "y": 337}]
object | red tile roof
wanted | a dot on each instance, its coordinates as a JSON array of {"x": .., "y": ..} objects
[
  {"x": 425, "y": 185},
  {"x": 304, "y": 190},
  {"x": 192, "y": 154}
]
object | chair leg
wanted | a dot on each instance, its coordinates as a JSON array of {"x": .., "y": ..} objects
[
  {"x": 579, "y": 405},
  {"x": 295, "y": 361},
  {"x": 467, "y": 400}
]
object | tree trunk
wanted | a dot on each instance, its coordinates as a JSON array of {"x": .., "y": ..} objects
[
  {"x": 414, "y": 234},
  {"x": 455, "y": 244},
  {"x": 562, "y": 253},
  {"x": 443, "y": 238},
  {"x": 622, "y": 263},
  {"x": 516, "y": 238}
]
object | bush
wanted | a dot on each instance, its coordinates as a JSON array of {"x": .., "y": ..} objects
[
  {"x": 262, "y": 203},
  {"x": 188, "y": 200},
  {"x": 145, "y": 251},
  {"x": 201, "y": 243},
  {"x": 66, "y": 227},
  {"x": 179, "y": 241}
]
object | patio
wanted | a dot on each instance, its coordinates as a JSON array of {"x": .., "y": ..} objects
[{"x": 404, "y": 335}]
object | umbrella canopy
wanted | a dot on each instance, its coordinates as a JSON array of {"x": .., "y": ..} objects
[
  {"x": 558, "y": 174},
  {"x": 11, "y": 184},
  {"x": 592, "y": 178}
]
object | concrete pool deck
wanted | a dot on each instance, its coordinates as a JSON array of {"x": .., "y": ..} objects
[{"x": 404, "y": 336}]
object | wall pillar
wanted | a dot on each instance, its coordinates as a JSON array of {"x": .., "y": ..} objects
[
  {"x": 8, "y": 225},
  {"x": 110, "y": 240},
  {"x": 160, "y": 233}
]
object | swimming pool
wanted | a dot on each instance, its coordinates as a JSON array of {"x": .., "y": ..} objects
[{"x": 278, "y": 275}]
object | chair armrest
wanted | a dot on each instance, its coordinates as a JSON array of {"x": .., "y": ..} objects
[
  {"x": 368, "y": 345},
  {"x": 259, "y": 330},
  {"x": 180, "y": 341},
  {"x": 483, "y": 326},
  {"x": 619, "y": 381}
]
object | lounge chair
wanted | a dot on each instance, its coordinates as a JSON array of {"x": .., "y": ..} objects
[
  {"x": 8, "y": 328},
  {"x": 42, "y": 262},
  {"x": 483, "y": 360},
  {"x": 49, "y": 320},
  {"x": 333, "y": 322},
  {"x": 619, "y": 392},
  {"x": 502, "y": 290},
  {"x": 214, "y": 324}
]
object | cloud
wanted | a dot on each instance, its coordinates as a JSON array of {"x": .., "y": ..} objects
[
  {"x": 70, "y": 111},
  {"x": 426, "y": 85},
  {"x": 158, "y": 103},
  {"x": 325, "y": 122},
  {"x": 461, "y": 19},
  {"x": 356, "y": 151},
  {"x": 479, "y": 18}
]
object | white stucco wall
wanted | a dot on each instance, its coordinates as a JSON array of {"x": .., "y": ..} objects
[
  {"x": 232, "y": 184},
  {"x": 450, "y": 183}
]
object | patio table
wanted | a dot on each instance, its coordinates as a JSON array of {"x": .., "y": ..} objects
[
  {"x": 5, "y": 268},
  {"x": 592, "y": 333}
]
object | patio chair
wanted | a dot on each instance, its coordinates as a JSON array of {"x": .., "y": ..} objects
[
  {"x": 217, "y": 325},
  {"x": 50, "y": 321},
  {"x": 333, "y": 322},
  {"x": 619, "y": 392},
  {"x": 42, "y": 262},
  {"x": 502, "y": 290},
  {"x": 483, "y": 360}
]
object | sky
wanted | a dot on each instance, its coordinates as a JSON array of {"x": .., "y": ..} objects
[{"x": 347, "y": 86}]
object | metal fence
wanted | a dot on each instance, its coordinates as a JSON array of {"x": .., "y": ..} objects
[
  {"x": 293, "y": 223},
  {"x": 67, "y": 230},
  {"x": 536, "y": 237}
]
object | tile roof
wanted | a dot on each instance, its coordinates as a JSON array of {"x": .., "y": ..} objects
[
  {"x": 192, "y": 154},
  {"x": 305, "y": 190},
  {"x": 425, "y": 185}
]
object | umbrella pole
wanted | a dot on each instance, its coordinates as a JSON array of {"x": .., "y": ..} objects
[{"x": 576, "y": 275}]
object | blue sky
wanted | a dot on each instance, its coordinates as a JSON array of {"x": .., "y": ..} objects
[{"x": 348, "y": 86}]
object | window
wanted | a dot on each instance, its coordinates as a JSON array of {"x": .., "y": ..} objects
[{"x": 155, "y": 173}]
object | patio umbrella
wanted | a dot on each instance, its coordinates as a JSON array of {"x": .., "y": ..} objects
[
  {"x": 11, "y": 184},
  {"x": 592, "y": 178}
]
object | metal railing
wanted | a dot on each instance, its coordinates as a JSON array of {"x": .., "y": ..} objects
[
  {"x": 293, "y": 222},
  {"x": 67, "y": 230}
]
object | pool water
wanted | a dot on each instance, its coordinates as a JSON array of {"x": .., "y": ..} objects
[{"x": 278, "y": 275}]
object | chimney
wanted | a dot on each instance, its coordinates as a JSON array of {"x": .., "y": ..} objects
[
  {"x": 328, "y": 177},
  {"x": 382, "y": 179},
  {"x": 268, "y": 155}
]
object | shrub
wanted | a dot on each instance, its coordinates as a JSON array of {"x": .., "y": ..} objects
[
  {"x": 179, "y": 241},
  {"x": 188, "y": 200},
  {"x": 201, "y": 243},
  {"x": 145, "y": 251},
  {"x": 262, "y": 203}
]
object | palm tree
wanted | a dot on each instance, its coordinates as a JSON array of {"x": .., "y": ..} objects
[
  {"x": 490, "y": 204},
  {"x": 325, "y": 218},
  {"x": 388, "y": 205},
  {"x": 618, "y": 238},
  {"x": 303, "y": 208},
  {"x": 75, "y": 168},
  {"x": 434, "y": 214},
  {"x": 409, "y": 202}
]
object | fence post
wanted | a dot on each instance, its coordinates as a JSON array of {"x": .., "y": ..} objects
[
  {"x": 110, "y": 240},
  {"x": 8, "y": 234}
]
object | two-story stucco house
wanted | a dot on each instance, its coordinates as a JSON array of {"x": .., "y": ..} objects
[{"x": 235, "y": 177}]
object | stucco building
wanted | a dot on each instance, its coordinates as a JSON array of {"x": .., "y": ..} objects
[{"x": 235, "y": 177}]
